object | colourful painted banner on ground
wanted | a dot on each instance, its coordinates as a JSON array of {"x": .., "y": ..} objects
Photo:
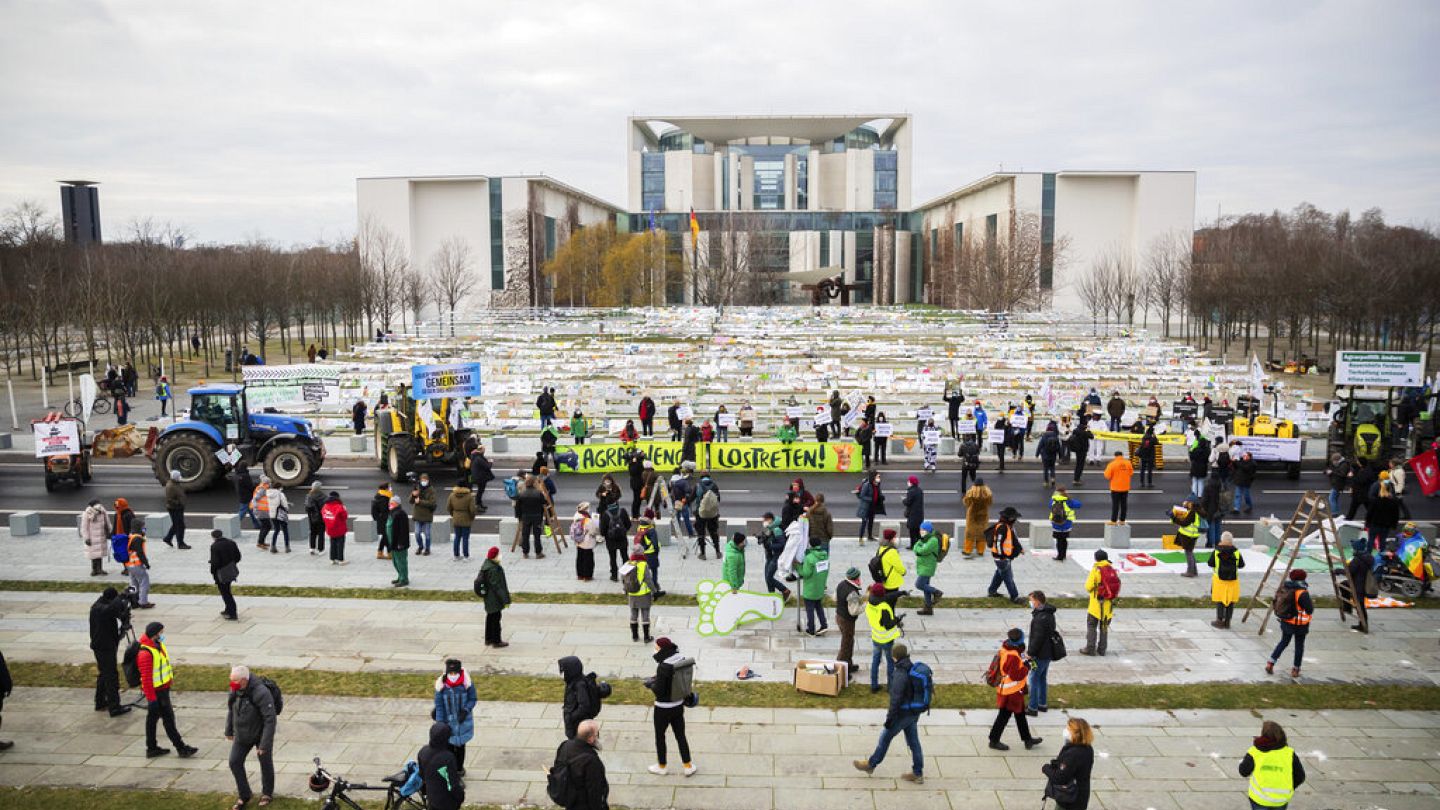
[{"x": 740, "y": 456}]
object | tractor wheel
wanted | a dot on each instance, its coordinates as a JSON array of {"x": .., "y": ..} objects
[
  {"x": 192, "y": 455},
  {"x": 1292, "y": 471},
  {"x": 49, "y": 483},
  {"x": 400, "y": 456},
  {"x": 289, "y": 465}
]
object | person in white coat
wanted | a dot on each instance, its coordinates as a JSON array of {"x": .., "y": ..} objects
[
  {"x": 280, "y": 518},
  {"x": 95, "y": 531},
  {"x": 797, "y": 540}
]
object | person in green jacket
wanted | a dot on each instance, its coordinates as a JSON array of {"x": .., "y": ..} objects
[
  {"x": 579, "y": 427},
  {"x": 787, "y": 433},
  {"x": 496, "y": 593},
  {"x": 814, "y": 578},
  {"x": 927, "y": 557},
  {"x": 733, "y": 569}
]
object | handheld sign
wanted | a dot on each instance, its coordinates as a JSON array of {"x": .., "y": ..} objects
[
  {"x": 684, "y": 412},
  {"x": 794, "y": 411},
  {"x": 996, "y": 435},
  {"x": 1019, "y": 420},
  {"x": 931, "y": 437},
  {"x": 58, "y": 438},
  {"x": 925, "y": 413},
  {"x": 966, "y": 425},
  {"x": 725, "y": 420},
  {"x": 884, "y": 429}
]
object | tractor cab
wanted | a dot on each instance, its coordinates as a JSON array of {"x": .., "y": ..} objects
[
  {"x": 222, "y": 409},
  {"x": 1364, "y": 422}
]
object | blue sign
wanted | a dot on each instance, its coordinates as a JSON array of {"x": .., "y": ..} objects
[{"x": 453, "y": 380}]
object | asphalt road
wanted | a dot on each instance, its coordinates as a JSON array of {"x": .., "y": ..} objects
[{"x": 743, "y": 495}]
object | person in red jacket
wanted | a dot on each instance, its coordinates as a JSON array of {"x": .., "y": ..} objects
[
  {"x": 1011, "y": 691},
  {"x": 336, "y": 520},
  {"x": 647, "y": 416},
  {"x": 156, "y": 675}
]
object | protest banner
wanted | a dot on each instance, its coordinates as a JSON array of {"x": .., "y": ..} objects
[
  {"x": 1120, "y": 436},
  {"x": 931, "y": 437},
  {"x": 1268, "y": 448},
  {"x": 450, "y": 380},
  {"x": 994, "y": 435},
  {"x": 60, "y": 437},
  {"x": 300, "y": 384},
  {"x": 733, "y": 456},
  {"x": 1383, "y": 369}
]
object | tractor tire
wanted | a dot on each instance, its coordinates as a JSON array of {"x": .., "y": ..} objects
[
  {"x": 193, "y": 455},
  {"x": 49, "y": 483},
  {"x": 289, "y": 465},
  {"x": 1292, "y": 471},
  {"x": 399, "y": 457}
]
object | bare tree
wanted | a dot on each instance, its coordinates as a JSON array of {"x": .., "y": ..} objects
[
  {"x": 451, "y": 278},
  {"x": 1167, "y": 263},
  {"x": 383, "y": 258}
]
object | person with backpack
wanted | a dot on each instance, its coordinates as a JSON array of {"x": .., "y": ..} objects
[
  {"x": 583, "y": 696},
  {"x": 615, "y": 528},
  {"x": 439, "y": 771},
  {"x": 455, "y": 707},
  {"x": 137, "y": 563},
  {"x": 224, "y": 570},
  {"x": 1009, "y": 673},
  {"x": 492, "y": 587},
  {"x": 647, "y": 539},
  {"x": 1273, "y": 768},
  {"x": 1225, "y": 581},
  {"x": 336, "y": 519},
  {"x": 928, "y": 553},
  {"x": 1186, "y": 518},
  {"x": 733, "y": 568},
  {"x": 314, "y": 502},
  {"x": 707, "y": 516},
  {"x": 156, "y": 675},
  {"x": 1068, "y": 774},
  {"x": 849, "y": 607},
  {"x": 1118, "y": 473},
  {"x": 910, "y": 695},
  {"x": 887, "y": 568},
  {"x": 1004, "y": 548},
  {"x": 969, "y": 455},
  {"x": 1048, "y": 451},
  {"x": 1103, "y": 585},
  {"x": 1147, "y": 451},
  {"x": 1294, "y": 608},
  {"x": 379, "y": 512},
  {"x": 772, "y": 542},
  {"x": 1045, "y": 646},
  {"x": 885, "y": 630},
  {"x": 638, "y": 579},
  {"x": 250, "y": 723},
  {"x": 814, "y": 575},
  {"x": 673, "y": 686},
  {"x": 584, "y": 535},
  {"x": 577, "y": 779},
  {"x": 1062, "y": 520}
]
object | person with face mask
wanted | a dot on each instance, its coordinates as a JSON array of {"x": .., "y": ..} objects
[
  {"x": 250, "y": 723},
  {"x": 585, "y": 773},
  {"x": 1068, "y": 774},
  {"x": 455, "y": 707},
  {"x": 422, "y": 500},
  {"x": 1010, "y": 675},
  {"x": 156, "y": 675}
]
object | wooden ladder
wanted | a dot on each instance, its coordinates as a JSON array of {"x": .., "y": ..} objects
[{"x": 1312, "y": 513}]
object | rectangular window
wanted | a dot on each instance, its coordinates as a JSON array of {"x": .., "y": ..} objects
[
  {"x": 549, "y": 238},
  {"x": 1047, "y": 232},
  {"x": 725, "y": 182},
  {"x": 959, "y": 238},
  {"x": 802, "y": 181},
  {"x": 652, "y": 181},
  {"x": 824, "y": 248},
  {"x": 886, "y": 180},
  {"x": 934, "y": 242},
  {"x": 497, "y": 237}
]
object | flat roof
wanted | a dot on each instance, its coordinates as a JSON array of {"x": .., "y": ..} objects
[
  {"x": 1000, "y": 177},
  {"x": 725, "y": 128},
  {"x": 470, "y": 178}
]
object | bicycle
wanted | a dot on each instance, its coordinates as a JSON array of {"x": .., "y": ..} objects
[
  {"x": 74, "y": 408},
  {"x": 322, "y": 780}
]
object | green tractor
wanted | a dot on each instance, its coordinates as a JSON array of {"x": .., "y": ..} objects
[
  {"x": 412, "y": 434},
  {"x": 1363, "y": 425}
]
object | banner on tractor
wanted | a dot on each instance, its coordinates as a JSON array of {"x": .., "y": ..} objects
[
  {"x": 1268, "y": 448},
  {"x": 734, "y": 456},
  {"x": 58, "y": 438},
  {"x": 1384, "y": 369},
  {"x": 457, "y": 380},
  {"x": 282, "y": 386}
]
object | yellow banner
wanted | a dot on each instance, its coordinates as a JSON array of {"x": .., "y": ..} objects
[
  {"x": 1163, "y": 438},
  {"x": 743, "y": 456}
]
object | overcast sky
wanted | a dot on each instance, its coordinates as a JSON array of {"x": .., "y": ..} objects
[{"x": 242, "y": 120}]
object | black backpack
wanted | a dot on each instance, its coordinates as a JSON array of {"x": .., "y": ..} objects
[
  {"x": 559, "y": 783},
  {"x": 592, "y": 693},
  {"x": 275, "y": 693},
  {"x": 877, "y": 567},
  {"x": 131, "y": 665}
]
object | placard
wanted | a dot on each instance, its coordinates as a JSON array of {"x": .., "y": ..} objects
[
  {"x": 725, "y": 420},
  {"x": 923, "y": 414},
  {"x": 452, "y": 380},
  {"x": 931, "y": 437},
  {"x": 1019, "y": 420},
  {"x": 995, "y": 435},
  {"x": 1222, "y": 413},
  {"x": 58, "y": 438},
  {"x": 1383, "y": 369},
  {"x": 883, "y": 430},
  {"x": 794, "y": 411},
  {"x": 1268, "y": 448},
  {"x": 300, "y": 384},
  {"x": 966, "y": 425},
  {"x": 684, "y": 412},
  {"x": 1185, "y": 410}
]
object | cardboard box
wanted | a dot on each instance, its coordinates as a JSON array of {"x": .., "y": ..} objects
[{"x": 821, "y": 677}]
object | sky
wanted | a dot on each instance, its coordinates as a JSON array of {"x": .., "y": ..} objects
[{"x": 240, "y": 121}]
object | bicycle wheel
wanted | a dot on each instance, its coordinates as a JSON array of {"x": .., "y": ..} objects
[
  {"x": 72, "y": 408},
  {"x": 102, "y": 405}
]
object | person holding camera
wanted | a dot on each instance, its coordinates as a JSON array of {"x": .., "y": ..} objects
[
  {"x": 109, "y": 619},
  {"x": 455, "y": 707},
  {"x": 672, "y": 685}
]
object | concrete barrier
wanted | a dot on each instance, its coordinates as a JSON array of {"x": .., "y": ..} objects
[
  {"x": 359, "y": 444},
  {"x": 499, "y": 443},
  {"x": 157, "y": 524},
  {"x": 1040, "y": 536},
  {"x": 505, "y": 535},
  {"x": 897, "y": 445},
  {"x": 364, "y": 530},
  {"x": 299, "y": 530},
  {"x": 24, "y": 524},
  {"x": 228, "y": 525},
  {"x": 1117, "y": 536},
  {"x": 947, "y": 446}
]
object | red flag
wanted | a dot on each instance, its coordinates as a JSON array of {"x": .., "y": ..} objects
[{"x": 1427, "y": 471}]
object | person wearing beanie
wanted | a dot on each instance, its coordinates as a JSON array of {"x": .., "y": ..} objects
[
  {"x": 175, "y": 507},
  {"x": 455, "y": 707},
  {"x": 336, "y": 519},
  {"x": 224, "y": 570},
  {"x": 902, "y": 717},
  {"x": 1011, "y": 676},
  {"x": 1225, "y": 579},
  {"x": 491, "y": 586},
  {"x": 314, "y": 502},
  {"x": 1102, "y": 585},
  {"x": 1063, "y": 507},
  {"x": 156, "y": 675},
  {"x": 639, "y": 593},
  {"x": 1004, "y": 548},
  {"x": 914, "y": 509},
  {"x": 885, "y": 630},
  {"x": 927, "y": 558},
  {"x": 773, "y": 541},
  {"x": 872, "y": 501},
  {"x": 108, "y": 620},
  {"x": 397, "y": 535},
  {"x": 647, "y": 539},
  {"x": 814, "y": 574},
  {"x": 891, "y": 567},
  {"x": 849, "y": 606},
  {"x": 732, "y": 570},
  {"x": 1294, "y": 608},
  {"x": 978, "y": 500},
  {"x": 674, "y": 675}
]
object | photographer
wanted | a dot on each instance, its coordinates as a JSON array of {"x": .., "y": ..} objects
[{"x": 109, "y": 619}]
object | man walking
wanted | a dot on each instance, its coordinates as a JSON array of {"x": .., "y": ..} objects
[
  {"x": 1103, "y": 585},
  {"x": 1004, "y": 548},
  {"x": 672, "y": 685},
  {"x": 108, "y": 620},
  {"x": 137, "y": 564},
  {"x": 927, "y": 557},
  {"x": 1042, "y": 651},
  {"x": 1010, "y": 676},
  {"x": 909, "y": 698},
  {"x": 156, "y": 675},
  {"x": 175, "y": 506},
  {"x": 849, "y": 605},
  {"x": 250, "y": 723},
  {"x": 884, "y": 632},
  {"x": 224, "y": 569},
  {"x": 1118, "y": 473},
  {"x": 580, "y": 757}
]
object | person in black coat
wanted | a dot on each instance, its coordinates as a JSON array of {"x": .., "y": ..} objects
[
  {"x": 1048, "y": 451},
  {"x": 672, "y": 415},
  {"x": 439, "y": 770},
  {"x": 244, "y": 490},
  {"x": 357, "y": 416},
  {"x": 1041, "y": 649},
  {"x": 1199, "y": 465},
  {"x": 581, "y": 755},
  {"x": 108, "y": 619},
  {"x": 1361, "y": 477},
  {"x": 1068, "y": 774},
  {"x": 482, "y": 472},
  {"x": 578, "y": 704},
  {"x": 1361, "y": 569},
  {"x": 914, "y": 509},
  {"x": 223, "y": 552}
]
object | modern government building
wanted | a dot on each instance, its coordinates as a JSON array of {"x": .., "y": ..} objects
[{"x": 833, "y": 191}]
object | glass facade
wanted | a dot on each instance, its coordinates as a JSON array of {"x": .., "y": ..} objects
[
  {"x": 886, "y": 180},
  {"x": 549, "y": 238},
  {"x": 802, "y": 179},
  {"x": 497, "y": 237},
  {"x": 780, "y": 221},
  {"x": 824, "y": 248},
  {"x": 680, "y": 141},
  {"x": 864, "y": 267},
  {"x": 652, "y": 181},
  {"x": 1047, "y": 231}
]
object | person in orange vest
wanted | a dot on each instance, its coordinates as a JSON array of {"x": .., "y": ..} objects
[
  {"x": 1004, "y": 548},
  {"x": 1118, "y": 473},
  {"x": 1293, "y": 607},
  {"x": 156, "y": 675},
  {"x": 1010, "y": 675},
  {"x": 137, "y": 564}
]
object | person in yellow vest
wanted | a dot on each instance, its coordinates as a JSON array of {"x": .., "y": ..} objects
[
  {"x": 1004, "y": 548},
  {"x": 1187, "y": 531},
  {"x": 156, "y": 675},
  {"x": 641, "y": 597},
  {"x": 884, "y": 632},
  {"x": 1273, "y": 768},
  {"x": 1011, "y": 676},
  {"x": 892, "y": 568}
]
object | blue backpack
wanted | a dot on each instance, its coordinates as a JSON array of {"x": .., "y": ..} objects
[
  {"x": 413, "y": 781},
  {"x": 512, "y": 487},
  {"x": 922, "y": 689},
  {"x": 120, "y": 547}
]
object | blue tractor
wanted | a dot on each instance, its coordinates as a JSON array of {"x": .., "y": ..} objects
[{"x": 287, "y": 446}]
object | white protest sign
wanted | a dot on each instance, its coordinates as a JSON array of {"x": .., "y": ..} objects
[
  {"x": 794, "y": 411},
  {"x": 58, "y": 438},
  {"x": 1019, "y": 420},
  {"x": 924, "y": 413},
  {"x": 725, "y": 420},
  {"x": 1385, "y": 369},
  {"x": 966, "y": 425},
  {"x": 276, "y": 386},
  {"x": 1268, "y": 448},
  {"x": 884, "y": 429},
  {"x": 996, "y": 435},
  {"x": 931, "y": 437},
  {"x": 684, "y": 412}
]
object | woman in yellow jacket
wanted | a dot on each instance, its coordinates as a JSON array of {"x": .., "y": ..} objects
[{"x": 1102, "y": 587}]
